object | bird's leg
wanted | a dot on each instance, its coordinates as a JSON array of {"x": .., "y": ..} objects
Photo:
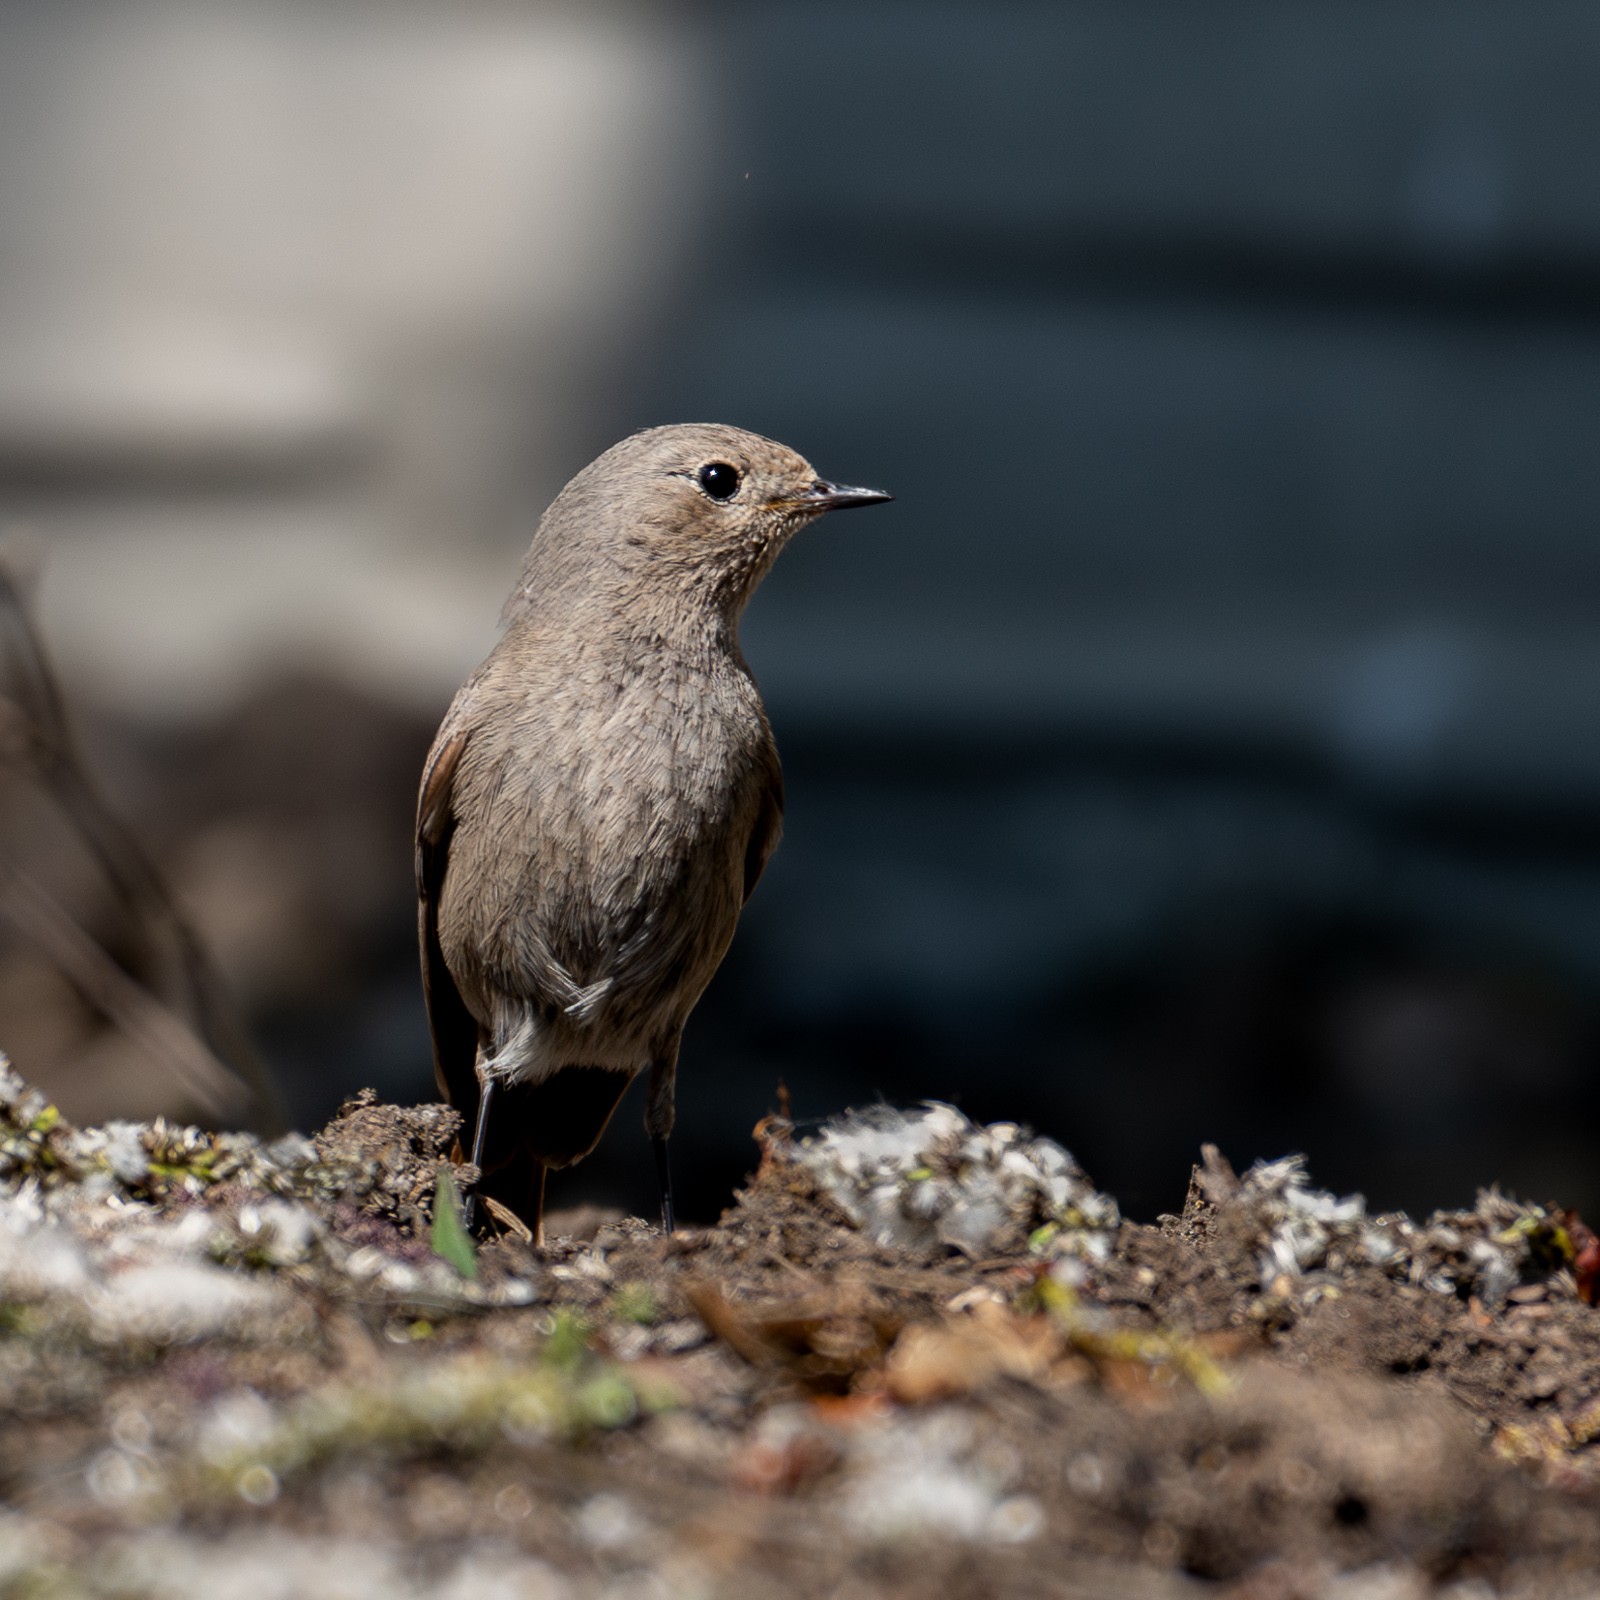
[
  {"x": 486, "y": 1086},
  {"x": 536, "y": 1204},
  {"x": 664, "y": 1178},
  {"x": 658, "y": 1119}
]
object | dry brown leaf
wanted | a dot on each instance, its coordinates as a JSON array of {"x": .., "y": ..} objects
[
  {"x": 507, "y": 1218},
  {"x": 934, "y": 1361}
]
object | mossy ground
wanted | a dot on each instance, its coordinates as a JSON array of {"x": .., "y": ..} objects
[{"x": 235, "y": 1370}]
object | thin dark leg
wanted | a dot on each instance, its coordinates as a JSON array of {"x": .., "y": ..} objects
[
  {"x": 664, "y": 1177},
  {"x": 536, "y": 1204},
  {"x": 486, "y": 1088}
]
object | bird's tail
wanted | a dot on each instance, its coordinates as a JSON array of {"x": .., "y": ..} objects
[{"x": 535, "y": 1126}]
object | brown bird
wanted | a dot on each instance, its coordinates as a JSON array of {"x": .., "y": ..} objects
[{"x": 602, "y": 797}]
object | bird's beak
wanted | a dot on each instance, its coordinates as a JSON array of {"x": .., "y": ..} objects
[{"x": 823, "y": 496}]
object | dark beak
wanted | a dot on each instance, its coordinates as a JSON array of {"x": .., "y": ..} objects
[{"x": 823, "y": 496}]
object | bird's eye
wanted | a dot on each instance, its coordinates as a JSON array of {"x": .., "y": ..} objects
[{"x": 719, "y": 480}]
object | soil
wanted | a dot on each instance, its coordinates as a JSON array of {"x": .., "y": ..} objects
[{"x": 1271, "y": 1395}]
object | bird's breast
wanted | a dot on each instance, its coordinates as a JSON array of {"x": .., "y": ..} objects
[{"x": 603, "y": 831}]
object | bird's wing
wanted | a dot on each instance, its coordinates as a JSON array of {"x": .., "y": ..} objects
[
  {"x": 767, "y": 831},
  {"x": 453, "y": 1027}
]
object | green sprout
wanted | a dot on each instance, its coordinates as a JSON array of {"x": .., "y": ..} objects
[{"x": 450, "y": 1240}]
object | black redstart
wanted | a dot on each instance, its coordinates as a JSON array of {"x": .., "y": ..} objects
[{"x": 602, "y": 797}]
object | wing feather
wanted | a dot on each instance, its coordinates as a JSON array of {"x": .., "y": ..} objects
[
  {"x": 453, "y": 1027},
  {"x": 768, "y": 830}
]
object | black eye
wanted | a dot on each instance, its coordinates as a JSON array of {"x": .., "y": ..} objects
[{"x": 719, "y": 480}]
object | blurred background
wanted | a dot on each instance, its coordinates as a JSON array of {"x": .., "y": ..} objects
[{"x": 1203, "y": 746}]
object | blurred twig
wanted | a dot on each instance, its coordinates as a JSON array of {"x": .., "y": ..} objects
[
  {"x": 36, "y": 737},
  {"x": 146, "y": 1021}
]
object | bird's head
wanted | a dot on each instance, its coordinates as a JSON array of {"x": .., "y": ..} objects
[{"x": 696, "y": 506}]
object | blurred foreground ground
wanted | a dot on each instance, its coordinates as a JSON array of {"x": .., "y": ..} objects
[{"x": 915, "y": 1357}]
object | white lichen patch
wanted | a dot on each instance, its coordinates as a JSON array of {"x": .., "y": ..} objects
[
  {"x": 166, "y": 1233},
  {"x": 911, "y": 1178},
  {"x": 1311, "y": 1237}
]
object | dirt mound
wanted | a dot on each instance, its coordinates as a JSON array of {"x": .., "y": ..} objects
[{"x": 915, "y": 1357}]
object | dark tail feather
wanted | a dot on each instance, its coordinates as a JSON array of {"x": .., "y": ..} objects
[
  {"x": 519, "y": 1186},
  {"x": 534, "y": 1126}
]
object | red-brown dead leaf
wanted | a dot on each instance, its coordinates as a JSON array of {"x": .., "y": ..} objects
[
  {"x": 851, "y": 1410},
  {"x": 825, "y": 1340}
]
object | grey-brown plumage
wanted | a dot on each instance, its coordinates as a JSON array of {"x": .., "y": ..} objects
[{"x": 602, "y": 797}]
